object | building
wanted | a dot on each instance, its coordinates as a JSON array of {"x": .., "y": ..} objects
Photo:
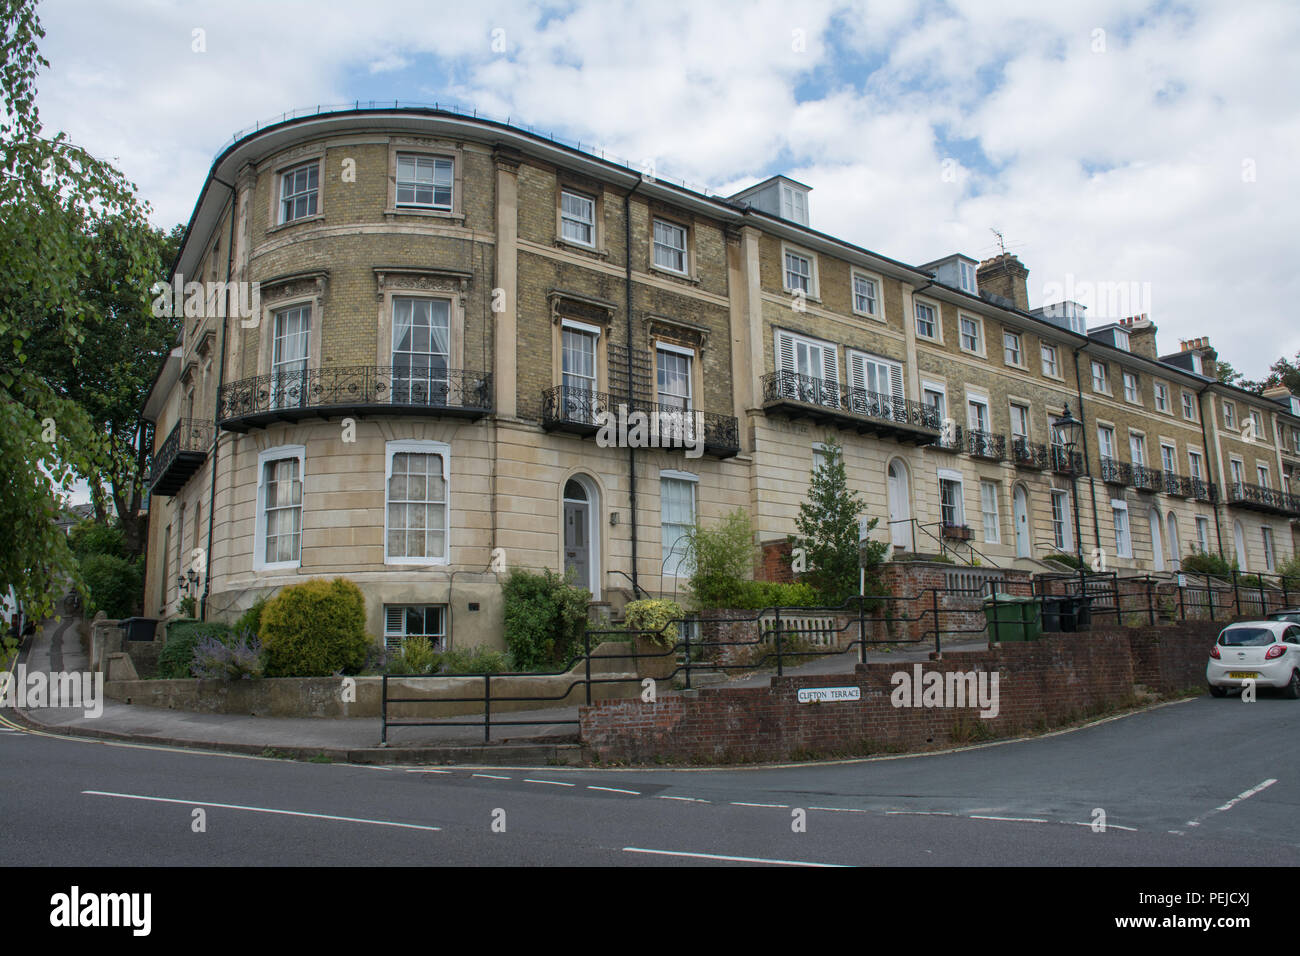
[{"x": 447, "y": 307}]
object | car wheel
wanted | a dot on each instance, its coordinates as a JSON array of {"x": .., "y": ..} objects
[
  {"x": 1216, "y": 691},
  {"x": 1293, "y": 688}
]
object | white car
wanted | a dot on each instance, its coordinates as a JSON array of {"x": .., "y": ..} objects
[{"x": 1267, "y": 652}]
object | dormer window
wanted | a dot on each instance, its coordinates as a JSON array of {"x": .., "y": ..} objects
[
  {"x": 1121, "y": 340},
  {"x": 966, "y": 273},
  {"x": 794, "y": 204}
]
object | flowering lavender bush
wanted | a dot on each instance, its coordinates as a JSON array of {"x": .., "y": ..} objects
[{"x": 238, "y": 657}]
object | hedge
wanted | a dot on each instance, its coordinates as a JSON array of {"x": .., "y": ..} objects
[{"x": 315, "y": 629}]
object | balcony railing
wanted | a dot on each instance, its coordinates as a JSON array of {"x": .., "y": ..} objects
[
  {"x": 1147, "y": 479},
  {"x": 1176, "y": 485},
  {"x": 1259, "y": 498},
  {"x": 1064, "y": 464},
  {"x": 1028, "y": 455},
  {"x": 583, "y": 411},
  {"x": 986, "y": 445},
  {"x": 818, "y": 398},
  {"x": 1203, "y": 490},
  {"x": 1115, "y": 472},
  {"x": 353, "y": 390},
  {"x": 179, "y": 456}
]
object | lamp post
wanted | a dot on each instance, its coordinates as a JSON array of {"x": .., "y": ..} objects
[{"x": 1070, "y": 429}]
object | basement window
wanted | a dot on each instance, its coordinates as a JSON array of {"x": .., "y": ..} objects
[{"x": 415, "y": 620}]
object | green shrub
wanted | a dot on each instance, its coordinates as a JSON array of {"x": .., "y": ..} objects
[
  {"x": 183, "y": 637},
  {"x": 251, "y": 620},
  {"x": 315, "y": 629},
  {"x": 189, "y": 606},
  {"x": 476, "y": 660},
  {"x": 545, "y": 618},
  {"x": 1202, "y": 562},
  {"x": 1290, "y": 572},
  {"x": 1069, "y": 560},
  {"x": 114, "y": 584},
  {"x": 91, "y": 537},
  {"x": 722, "y": 560},
  {"x": 757, "y": 595},
  {"x": 912, "y": 557},
  {"x": 233, "y": 656},
  {"x": 656, "y": 618},
  {"x": 416, "y": 656}
]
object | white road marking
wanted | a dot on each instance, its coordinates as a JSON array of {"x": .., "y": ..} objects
[
  {"x": 773, "y": 806},
  {"x": 839, "y": 809},
  {"x": 553, "y": 783},
  {"x": 978, "y": 816},
  {"x": 427, "y": 771},
  {"x": 921, "y": 813},
  {"x": 1249, "y": 793},
  {"x": 635, "y": 793},
  {"x": 684, "y": 799},
  {"x": 729, "y": 859},
  {"x": 1108, "y": 826},
  {"x": 490, "y": 776},
  {"x": 233, "y": 806}
]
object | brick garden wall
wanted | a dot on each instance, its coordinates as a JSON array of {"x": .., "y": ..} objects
[{"x": 1041, "y": 684}]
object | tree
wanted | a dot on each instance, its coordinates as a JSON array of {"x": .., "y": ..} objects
[
  {"x": 828, "y": 530},
  {"x": 55, "y": 201},
  {"x": 1281, "y": 372}
]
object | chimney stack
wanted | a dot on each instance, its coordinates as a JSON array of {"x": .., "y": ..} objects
[
  {"x": 1141, "y": 335},
  {"x": 1005, "y": 276}
]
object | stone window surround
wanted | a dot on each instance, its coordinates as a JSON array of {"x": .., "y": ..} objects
[
  {"x": 427, "y": 146},
  {"x": 566, "y": 182},
  {"x": 938, "y": 319},
  {"x": 1169, "y": 398},
  {"x": 694, "y": 480},
  {"x": 281, "y": 166},
  {"x": 1059, "y": 374},
  {"x": 979, "y": 396},
  {"x": 419, "y": 447},
  {"x": 277, "y": 453},
  {"x": 697, "y": 371},
  {"x": 1028, "y": 406},
  {"x": 979, "y": 332},
  {"x": 687, "y": 225},
  {"x": 948, "y": 474},
  {"x": 1137, "y": 387},
  {"x": 879, "y": 314},
  {"x": 814, "y": 293},
  {"x": 304, "y": 288},
  {"x": 406, "y": 282},
  {"x": 583, "y": 312},
  {"x": 1105, "y": 377},
  {"x": 1020, "y": 348}
]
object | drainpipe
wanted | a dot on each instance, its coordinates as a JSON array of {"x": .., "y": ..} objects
[
  {"x": 1205, "y": 447},
  {"x": 631, "y": 452},
  {"x": 216, "y": 407},
  {"x": 1092, "y": 484}
]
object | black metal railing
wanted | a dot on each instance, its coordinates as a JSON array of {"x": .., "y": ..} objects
[
  {"x": 1179, "y": 486},
  {"x": 356, "y": 387},
  {"x": 1260, "y": 498},
  {"x": 179, "y": 455},
  {"x": 1026, "y": 454},
  {"x": 986, "y": 445},
  {"x": 1114, "y": 472},
  {"x": 1147, "y": 479},
  {"x": 1204, "y": 490},
  {"x": 1066, "y": 464},
  {"x": 583, "y": 410},
  {"x": 876, "y": 406},
  {"x": 950, "y": 439}
]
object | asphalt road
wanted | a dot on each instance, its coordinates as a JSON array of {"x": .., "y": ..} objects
[{"x": 1204, "y": 782}]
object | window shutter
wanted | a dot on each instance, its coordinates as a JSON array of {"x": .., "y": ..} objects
[
  {"x": 857, "y": 371},
  {"x": 393, "y": 619},
  {"x": 785, "y": 352},
  {"x": 896, "y": 381},
  {"x": 830, "y": 365}
]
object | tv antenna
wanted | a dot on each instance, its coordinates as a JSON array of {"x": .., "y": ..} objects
[{"x": 1002, "y": 243}]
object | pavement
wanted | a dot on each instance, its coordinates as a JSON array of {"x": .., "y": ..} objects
[{"x": 551, "y": 739}]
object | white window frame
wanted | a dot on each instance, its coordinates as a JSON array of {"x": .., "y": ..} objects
[
  {"x": 992, "y": 519},
  {"x": 1229, "y": 414},
  {"x": 278, "y": 453},
  {"x": 1019, "y": 360},
  {"x": 1012, "y": 405},
  {"x": 877, "y": 311},
  {"x": 895, "y": 370},
  {"x": 1132, "y": 388},
  {"x": 689, "y": 355},
  {"x": 1258, "y": 418},
  {"x": 656, "y": 245},
  {"x": 1100, "y": 382},
  {"x": 810, "y": 342},
  {"x": 420, "y": 447},
  {"x": 566, "y": 218},
  {"x": 1161, "y": 392},
  {"x": 1203, "y": 533},
  {"x": 1062, "y": 532},
  {"x": 945, "y": 474},
  {"x": 434, "y": 159},
  {"x": 1189, "y": 405},
  {"x": 812, "y": 292},
  {"x": 282, "y": 175},
  {"x": 1169, "y": 462},
  {"x": 935, "y": 319},
  {"x": 966, "y": 277},
  {"x": 1262, "y": 476},
  {"x": 1137, "y": 447},
  {"x": 1105, "y": 449},
  {"x": 794, "y": 204},
  {"x": 693, "y": 481},
  {"x": 940, "y": 389},
  {"x": 1195, "y": 464},
  {"x": 978, "y": 323},
  {"x": 1270, "y": 556},
  {"x": 1124, "y": 544},
  {"x": 1055, "y": 368},
  {"x": 393, "y": 639},
  {"x": 1121, "y": 340}
]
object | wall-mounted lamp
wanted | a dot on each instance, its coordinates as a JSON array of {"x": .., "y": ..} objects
[{"x": 613, "y": 518}]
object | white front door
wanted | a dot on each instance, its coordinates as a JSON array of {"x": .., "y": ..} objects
[
  {"x": 1020, "y": 512},
  {"x": 1157, "y": 540},
  {"x": 900, "y": 508}
]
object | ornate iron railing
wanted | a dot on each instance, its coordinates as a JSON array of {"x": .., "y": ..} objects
[
  {"x": 1257, "y": 496},
  {"x": 786, "y": 385},
  {"x": 1028, "y": 455},
  {"x": 1147, "y": 479},
  {"x": 986, "y": 445},
  {"x": 356, "y": 386},
  {"x": 660, "y": 425},
  {"x": 1066, "y": 464},
  {"x": 1204, "y": 490},
  {"x": 188, "y": 435},
  {"x": 1115, "y": 472},
  {"x": 950, "y": 439},
  {"x": 1179, "y": 486}
]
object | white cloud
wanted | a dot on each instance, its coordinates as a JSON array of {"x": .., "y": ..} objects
[{"x": 1108, "y": 166}]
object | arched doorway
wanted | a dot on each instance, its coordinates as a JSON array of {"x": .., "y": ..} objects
[
  {"x": 1020, "y": 514},
  {"x": 900, "y": 506},
  {"x": 1157, "y": 540},
  {"x": 1175, "y": 549},
  {"x": 1239, "y": 539},
  {"x": 582, "y": 532}
]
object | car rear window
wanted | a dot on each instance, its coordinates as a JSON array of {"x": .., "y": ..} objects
[{"x": 1246, "y": 637}]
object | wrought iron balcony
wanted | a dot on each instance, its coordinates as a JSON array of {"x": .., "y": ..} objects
[
  {"x": 986, "y": 445},
  {"x": 803, "y": 396},
  {"x": 1028, "y": 455},
  {"x": 1064, "y": 464},
  {"x": 643, "y": 424},
  {"x": 1147, "y": 479},
  {"x": 180, "y": 456},
  {"x": 950, "y": 439},
  {"x": 1116, "y": 472},
  {"x": 1177, "y": 485},
  {"x": 356, "y": 390},
  {"x": 1203, "y": 490},
  {"x": 1259, "y": 498}
]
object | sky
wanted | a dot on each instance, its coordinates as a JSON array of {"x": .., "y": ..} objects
[{"x": 1137, "y": 157}]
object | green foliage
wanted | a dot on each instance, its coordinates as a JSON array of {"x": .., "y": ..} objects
[
  {"x": 315, "y": 629},
  {"x": 655, "y": 619},
  {"x": 1202, "y": 562},
  {"x": 189, "y": 606},
  {"x": 231, "y": 656},
  {"x": 723, "y": 558},
  {"x": 113, "y": 585},
  {"x": 415, "y": 656},
  {"x": 476, "y": 660},
  {"x": 828, "y": 533},
  {"x": 92, "y": 537},
  {"x": 183, "y": 637},
  {"x": 545, "y": 618},
  {"x": 913, "y": 557},
  {"x": 1069, "y": 560},
  {"x": 251, "y": 620},
  {"x": 757, "y": 595},
  {"x": 1289, "y": 571}
]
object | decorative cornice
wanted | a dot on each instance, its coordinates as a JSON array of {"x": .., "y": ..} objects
[
  {"x": 575, "y": 305},
  {"x": 678, "y": 328},
  {"x": 421, "y": 279},
  {"x": 294, "y": 283}
]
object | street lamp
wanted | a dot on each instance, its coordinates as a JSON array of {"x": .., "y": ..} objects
[{"x": 1069, "y": 429}]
